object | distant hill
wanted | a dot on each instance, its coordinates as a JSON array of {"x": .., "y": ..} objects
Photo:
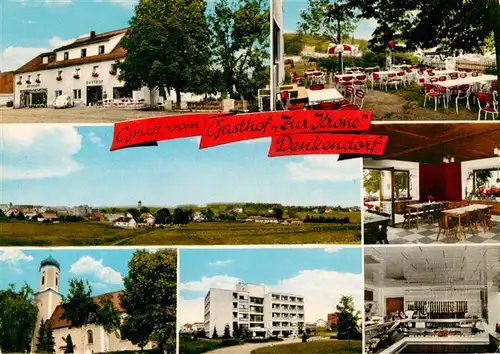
[{"x": 295, "y": 43}]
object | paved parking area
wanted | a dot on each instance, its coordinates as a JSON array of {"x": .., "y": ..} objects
[{"x": 74, "y": 115}]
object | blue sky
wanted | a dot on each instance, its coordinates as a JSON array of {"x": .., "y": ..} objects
[
  {"x": 320, "y": 275},
  {"x": 103, "y": 268},
  {"x": 291, "y": 16},
  {"x": 60, "y": 165}
]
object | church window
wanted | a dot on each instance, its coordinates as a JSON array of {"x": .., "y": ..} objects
[
  {"x": 43, "y": 280},
  {"x": 90, "y": 337}
]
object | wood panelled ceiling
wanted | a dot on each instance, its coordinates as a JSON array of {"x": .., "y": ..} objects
[{"x": 428, "y": 143}]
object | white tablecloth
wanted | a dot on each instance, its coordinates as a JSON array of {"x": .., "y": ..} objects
[
  {"x": 466, "y": 81},
  {"x": 317, "y": 96}
]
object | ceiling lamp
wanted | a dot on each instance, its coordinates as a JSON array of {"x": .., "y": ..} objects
[{"x": 449, "y": 159}]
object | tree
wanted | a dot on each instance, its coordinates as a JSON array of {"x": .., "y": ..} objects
[
  {"x": 208, "y": 214},
  {"x": 214, "y": 334},
  {"x": 371, "y": 181},
  {"x": 447, "y": 24},
  {"x": 45, "y": 343},
  {"x": 278, "y": 213},
  {"x": 163, "y": 216},
  {"x": 150, "y": 299},
  {"x": 348, "y": 319},
  {"x": 134, "y": 212},
  {"x": 80, "y": 309},
  {"x": 69, "y": 345},
  {"x": 180, "y": 217},
  {"x": 240, "y": 44},
  {"x": 20, "y": 216},
  {"x": 227, "y": 333},
  {"x": 245, "y": 332},
  {"x": 144, "y": 210},
  {"x": 168, "y": 47},
  {"x": 17, "y": 313}
]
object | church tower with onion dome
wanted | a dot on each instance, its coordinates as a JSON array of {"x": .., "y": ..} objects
[{"x": 48, "y": 297}]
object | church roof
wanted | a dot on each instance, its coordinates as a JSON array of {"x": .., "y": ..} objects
[
  {"x": 56, "y": 320},
  {"x": 50, "y": 261}
]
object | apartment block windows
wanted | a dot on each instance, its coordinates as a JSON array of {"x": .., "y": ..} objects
[
  {"x": 83, "y": 53},
  {"x": 66, "y": 55},
  {"x": 101, "y": 49}
]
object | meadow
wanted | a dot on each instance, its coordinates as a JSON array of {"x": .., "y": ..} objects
[
  {"x": 313, "y": 347},
  {"x": 31, "y": 233}
]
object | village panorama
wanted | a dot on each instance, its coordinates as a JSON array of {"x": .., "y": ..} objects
[{"x": 219, "y": 223}]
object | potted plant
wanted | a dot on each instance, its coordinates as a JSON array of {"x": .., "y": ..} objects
[
  {"x": 19, "y": 82},
  {"x": 37, "y": 81},
  {"x": 112, "y": 72},
  {"x": 59, "y": 78},
  {"x": 94, "y": 74},
  {"x": 430, "y": 198},
  {"x": 28, "y": 82},
  {"x": 76, "y": 76}
]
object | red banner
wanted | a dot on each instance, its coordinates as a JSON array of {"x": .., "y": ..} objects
[
  {"x": 319, "y": 144},
  {"x": 241, "y": 127},
  {"x": 293, "y": 132},
  {"x": 151, "y": 130}
]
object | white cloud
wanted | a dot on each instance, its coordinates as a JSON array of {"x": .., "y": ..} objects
[
  {"x": 94, "y": 139},
  {"x": 13, "y": 58},
  {"x": 56, "y": 42},
  {"x": 38, "y": 151},
  {"x": 203, "y": 285},
  {"x": 14, "y": 256},
  {"x": 322, "y": 290},
  {"x": 123, "y": 3},
  {"x": 325, "y": 168},
  {"x": 58, "y": 2},
  {"x": 334, "y": 249},
  {"x": 191, "y": 310},
  {"x": 365, "y": 29},
  {"x": 221, "y": 263},
  {"x": 88, "y": 265}
]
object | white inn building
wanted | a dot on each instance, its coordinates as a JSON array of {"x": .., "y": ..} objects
[
  {"x": 264, "y": 314},
  {"x": 85, "y": 70}
]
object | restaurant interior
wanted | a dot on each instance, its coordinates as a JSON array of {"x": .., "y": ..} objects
[
  {"x": 432, "y": 299},
  {"x": 435, "y": 183}
]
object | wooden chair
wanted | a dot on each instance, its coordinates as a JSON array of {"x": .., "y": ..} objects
[
  {"x": 446, "y": 226},
  {"x": 409, "y": 218}
]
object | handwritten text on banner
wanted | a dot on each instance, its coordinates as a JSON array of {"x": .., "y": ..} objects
[{"x": 292, "y": 132}]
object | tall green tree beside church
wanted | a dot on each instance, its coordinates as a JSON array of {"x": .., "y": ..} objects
[
  {"x": 17, "y": 315},
  {"x": 150, "y": 299},
  {"x": 45, "y": 342},
  {"x": 168, "y": 47},
  {"x": 80, "y": 309}
]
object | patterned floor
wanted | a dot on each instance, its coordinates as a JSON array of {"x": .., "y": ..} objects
[{"x": 426, "y": 234}]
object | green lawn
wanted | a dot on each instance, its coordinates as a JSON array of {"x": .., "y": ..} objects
[
  {"x": 30, "y": 233},
  {"x": 198, "y": 346},
  {"x": 313, "y": 347}
]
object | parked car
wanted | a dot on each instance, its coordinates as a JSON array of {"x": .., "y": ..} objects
[{"x": 63, "y": 101}]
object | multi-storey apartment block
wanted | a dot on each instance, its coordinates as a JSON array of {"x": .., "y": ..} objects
[{"x": 249, "y": 306}]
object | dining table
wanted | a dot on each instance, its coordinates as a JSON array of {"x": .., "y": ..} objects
[
  {"x": 318, "y": 96},
  {"x": 461, "y": 212},
  {"x": 420, "y": 206},
  {"x": 375, "y": 221}
]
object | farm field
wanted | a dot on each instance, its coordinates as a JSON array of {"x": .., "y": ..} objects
[
  {"x": 30, "y": 233},
  {"x": 313, "y": 347}
]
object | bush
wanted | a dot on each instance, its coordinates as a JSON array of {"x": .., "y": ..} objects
[
  {"x": 229, "y": 343},
  {"x": 10, "y": 103},
  {"x": 264, "y": 340},
  {"x": 408, "y": 58},
  {"x": 253, "y": 108}
]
